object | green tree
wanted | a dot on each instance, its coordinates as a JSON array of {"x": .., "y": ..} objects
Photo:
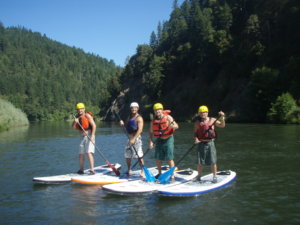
[
  {"x": 42, "y": 76},
  {"x": 153, "y": 79},
  {"x": 284, "y": 110},
  {"x": 263, "y": 90},
  {"x": 153, "y": 40}
]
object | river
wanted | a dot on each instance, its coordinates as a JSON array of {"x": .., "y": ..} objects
[{"x": 266, "y": 190}]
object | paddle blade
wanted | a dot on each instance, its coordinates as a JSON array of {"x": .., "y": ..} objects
[
  {"x": 148, "y": 175},
  {"x": 166, "y": 176},
  {"x": 117, "y": 172}
]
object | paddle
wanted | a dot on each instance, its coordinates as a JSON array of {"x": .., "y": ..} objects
[
  {"x": 148, "y": 175},
  {"x": 117, "y": 172},
  {"x": 134, "y": 165},
  {"x": 151, "y": 118},
  {"x": 165, "y": 177}
]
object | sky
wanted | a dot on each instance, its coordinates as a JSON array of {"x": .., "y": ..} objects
[{"x": 111, "y": 29}]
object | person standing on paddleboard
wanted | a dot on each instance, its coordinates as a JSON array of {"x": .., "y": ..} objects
[
  {"x": 134, "y": 127},
  {"x": 204, "y": 134},
  {"x": 163, "y": 127},
  {"x": 86, "y": 125}
]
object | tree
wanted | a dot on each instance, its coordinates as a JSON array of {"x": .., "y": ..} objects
[
  {"x": 153, "y": 40},
  {"x": 284, "y": 110},
  {"x": 153, "y": 79},
  {"x": 41, "y": 76}
]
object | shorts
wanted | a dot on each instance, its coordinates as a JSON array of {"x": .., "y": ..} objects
[
  {"x": 130, "y": 152},
  {"x": 207, "y": 153},
  {"x": 86, "y": 146},
  {"x": 164, "y": 149}
]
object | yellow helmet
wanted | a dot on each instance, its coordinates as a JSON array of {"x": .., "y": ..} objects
[
  {"x": 80, "y": 106},
  {"x": 157, "y": 106},
  {"x": 203, "y": 108}
]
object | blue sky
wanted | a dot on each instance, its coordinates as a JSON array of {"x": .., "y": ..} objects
[{"x": 109, "y": 28}]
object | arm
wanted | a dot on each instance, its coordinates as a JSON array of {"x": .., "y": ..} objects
[
  {"x": 93, "y": 124},
  {"x": 172, "y": 123},
  {"x": 75, "y": 121},
  {"x": 221, "y": 123},
  {"x": 196, "y": 127},
  {"x": 151, "y": 144}
]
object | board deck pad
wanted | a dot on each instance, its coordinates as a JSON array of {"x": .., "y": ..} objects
[
  {"x": 103, "y": 179},
  {"x": 194, "y": 188},
  {"x": 66, "y": 178},
  {"x": 144, "y": 187}
]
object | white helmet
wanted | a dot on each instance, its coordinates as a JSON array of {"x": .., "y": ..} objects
[{"x": 134, "y": 104}]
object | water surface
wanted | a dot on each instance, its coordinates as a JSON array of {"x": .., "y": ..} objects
[{"x": 266, "y": 191}]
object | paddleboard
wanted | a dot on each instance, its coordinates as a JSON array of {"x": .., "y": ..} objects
[
  {"x": 103, "y": 179},
  {"x": 143, "y": 187},
  {"x": 194, "y": 188},
  {"x": 58, "y": 179}
]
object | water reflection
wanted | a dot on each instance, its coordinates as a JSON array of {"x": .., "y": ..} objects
[{"x": 14, "y": 134}]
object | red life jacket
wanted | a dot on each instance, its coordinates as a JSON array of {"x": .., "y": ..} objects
[
  {"x": 161, "y": 128},
  {"x": 206, "y": 131},
  {"x": 84, "y": 122}
]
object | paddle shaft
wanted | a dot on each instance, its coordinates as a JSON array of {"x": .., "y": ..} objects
[
  {"x": 186, "y": 153},
  {"x": 134, "y": 165},
  {"x": 101, "y": 154},
  {"x": 216, "y": 120}
]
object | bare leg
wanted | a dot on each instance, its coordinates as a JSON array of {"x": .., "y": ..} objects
[
  {"x": 128, "y": 163},
  {"x": 91, "y": 160},
  {"x": 214, "y": 169},
  {"x": 141, "y": 165},
  {"x": 199, "y": 168},
  {"x": 171, "y": 165},
  {"x": 81, "y": 161},
  {"x": 158, "y": 164}
]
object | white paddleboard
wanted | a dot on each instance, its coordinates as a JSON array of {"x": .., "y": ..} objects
[
  {"x": 194, "y": 188},
  {"x": 58, "y": 179},
  {"x": 143, "y": 187},
  {"x": 112, "y": 178}
]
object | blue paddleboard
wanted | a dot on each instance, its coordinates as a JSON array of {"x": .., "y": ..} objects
[{"x": 194, "y": 188}]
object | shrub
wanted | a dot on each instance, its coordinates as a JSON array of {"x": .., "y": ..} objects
[
  {"x": 284, "y": 110},
  {"x": 10, "y": 116}
]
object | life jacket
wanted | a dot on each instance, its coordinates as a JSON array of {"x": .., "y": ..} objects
[
  {"x": 84, "y": 122},
  {"x": 132, "y": 126},
  {"x": 206, "y": 131},
  {"x": 160, "y": 127}
]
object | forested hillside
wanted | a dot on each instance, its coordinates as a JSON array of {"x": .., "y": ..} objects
[
  {"x": 241, "y": 56},
  {"x": 46, "y": 79}
]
